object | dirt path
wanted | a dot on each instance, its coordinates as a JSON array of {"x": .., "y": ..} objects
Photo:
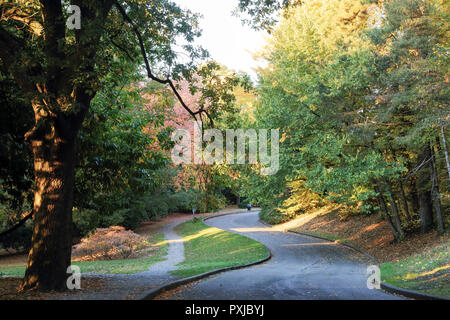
[{"x": 175, "y": 253}]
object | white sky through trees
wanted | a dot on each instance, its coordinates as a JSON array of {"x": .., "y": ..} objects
[{"x": 227, "y": 40}]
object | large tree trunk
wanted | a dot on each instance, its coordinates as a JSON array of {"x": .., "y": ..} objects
[
  {"x": 425, "y": 211},
  {"x": 423, "y": 190},
  {"x": 60, "y": 89},
  {"x": 54, "y": 161}
]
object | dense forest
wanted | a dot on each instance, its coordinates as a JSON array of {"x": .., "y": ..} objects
[
  {"x": 357, "y": 89},
  {"x": 363, "y": 111}
]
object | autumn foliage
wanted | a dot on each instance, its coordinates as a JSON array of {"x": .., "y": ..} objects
[{"x": 111, "y": 243}]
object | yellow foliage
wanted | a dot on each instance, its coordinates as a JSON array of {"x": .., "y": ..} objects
[
  {"x": 323, "y": 25},
  {"x": 301, "y": 199}
]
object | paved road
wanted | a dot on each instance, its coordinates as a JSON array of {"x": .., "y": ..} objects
[{"x": 301, "y": 268}]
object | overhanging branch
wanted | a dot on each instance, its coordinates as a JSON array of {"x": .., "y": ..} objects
[
  {"x": 149, "y": 71},
  {"x": 18, "y": 225}
]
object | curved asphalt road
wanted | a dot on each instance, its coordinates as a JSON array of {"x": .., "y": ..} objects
[{"x": 300, "y": 268}]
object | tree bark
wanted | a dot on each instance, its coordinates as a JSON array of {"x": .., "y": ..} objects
[
  {"x": 60, "y": 90},
  {"x": 423, "y": 190},
  {"x": 402, "y": 189},
  {"x": 444, "y": 147},
  {"x": 404, "y": 201},
  {"x": 395, "y": 214},
  {"x": 54, "y": 164},
  {"x": 436, "y": 197},
  {"x": 385, "y": 211},
  {"x": 414, "y": 197}
]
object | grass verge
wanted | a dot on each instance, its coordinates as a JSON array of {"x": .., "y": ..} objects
[
  {"x": 427, "y": 272},
  {"x": 207, "y": 248},
  {"x": 127, "y": 266}
]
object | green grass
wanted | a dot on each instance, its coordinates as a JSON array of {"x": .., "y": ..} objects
[
  {"x": 428, "y": 272},
  {"x": 127, "y": 266},
  {"x": 207, "y": 248}
]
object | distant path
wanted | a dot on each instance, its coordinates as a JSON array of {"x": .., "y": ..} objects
[
  {"x": 175, "y": 253},
  {"x": 301, "y": 268}
]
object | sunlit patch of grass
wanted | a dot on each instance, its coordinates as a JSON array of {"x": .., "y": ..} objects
[
  {"x": 12, "y": 270},
  {"x": 126, "y": 266},
  {"x": 207, "y": 248},
  {"x": 428, "y": 272},
  {"x": 412, "y": 276}
]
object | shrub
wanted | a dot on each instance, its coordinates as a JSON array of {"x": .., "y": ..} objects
[
  {"x": 272, "y": 216},
  {"x": 243, "y": 203},
  {"x": 111, "y": 243}
]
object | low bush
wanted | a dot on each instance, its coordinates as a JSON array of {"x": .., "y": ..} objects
[
  {"x": 272, "y": 216},
  {"x": 113, "y": 243}
]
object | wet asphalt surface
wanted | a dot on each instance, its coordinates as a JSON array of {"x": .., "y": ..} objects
[{"x": 301, "y": 268}]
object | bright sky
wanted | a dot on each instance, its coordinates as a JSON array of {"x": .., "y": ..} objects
[{"x": 224, "y": 36}]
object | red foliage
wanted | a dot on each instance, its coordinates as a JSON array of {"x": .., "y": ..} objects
[{"x": 111, "y": 243}]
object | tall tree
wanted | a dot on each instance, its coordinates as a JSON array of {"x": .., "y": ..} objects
[
  {"x": 60, "y": 71},
  {"x": 413, "y": 91},
  {"x": 359, "y": 101}
]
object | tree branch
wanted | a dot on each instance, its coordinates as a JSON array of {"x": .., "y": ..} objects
[
  {"x": 18, "y": 225},
  {"x": 55, "y": 35},
  {"x": 17, "y": 14},
  {"x": 149, "y": 71},
  {"x": 121, "y": 48},
  {"x": 307, "y": 107}
]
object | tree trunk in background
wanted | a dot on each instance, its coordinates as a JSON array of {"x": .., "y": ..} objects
[
  {"x": 444, "y": 147},
  {"x": 414, "y": 198},
  {"x": 436, "y": 197},
  {"x": 404, "y": 201},
  {"x": 425, "y": 211},
  {"x": 395, "y": 213},
  {"x": 423, "y": 190},
  {"x": 402, "y": 190},
  {"x": 54, "y": 163},
  {"x": 385, "y": 211}
]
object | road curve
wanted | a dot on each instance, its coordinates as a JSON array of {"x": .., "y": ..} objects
[{"x": 301, "y": 268}]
